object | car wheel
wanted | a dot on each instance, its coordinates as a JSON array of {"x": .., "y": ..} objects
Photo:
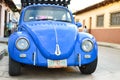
[
  {"x": 89, "y": 68},
  {"x": 14, "y": 67}
]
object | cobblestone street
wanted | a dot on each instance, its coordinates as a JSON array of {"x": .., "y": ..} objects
[{"x": 107, "y": 69}]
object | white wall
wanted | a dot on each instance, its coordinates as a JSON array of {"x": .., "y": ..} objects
[{"x": 4, "y": 7}]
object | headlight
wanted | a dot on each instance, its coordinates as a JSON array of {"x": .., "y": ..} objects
[
  {"x": 87, "y": 45},
  {"x": 22, "y": 44}
]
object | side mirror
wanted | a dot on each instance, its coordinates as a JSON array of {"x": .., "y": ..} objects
[{"x": 78, "y": 24}]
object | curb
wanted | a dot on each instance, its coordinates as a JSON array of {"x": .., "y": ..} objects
[
  {"x": 110, "y": 45},
  {"x": 2, "y": 53},
  {"x": 3, "y": 50},
  {"x": 3, "y": 40}
]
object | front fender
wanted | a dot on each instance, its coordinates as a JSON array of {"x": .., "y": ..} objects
[
  {"x": 78, "y": 49},
  {"x": 14, "y": 53}
]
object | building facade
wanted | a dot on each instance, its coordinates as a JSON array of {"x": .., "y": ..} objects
[
  {"x": 7, "y": 9},
  {"x": 102, "y": 20}
]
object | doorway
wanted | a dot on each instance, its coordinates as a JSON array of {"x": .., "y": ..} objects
[
  {"x": 5, "y": 25},
  {"x": 90, "y": 24}
]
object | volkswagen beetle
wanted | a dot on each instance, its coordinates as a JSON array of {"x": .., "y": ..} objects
[{"x": 47, "y": 36}]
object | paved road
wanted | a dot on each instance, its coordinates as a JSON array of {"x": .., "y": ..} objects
[{"x": 108, "y": 69}]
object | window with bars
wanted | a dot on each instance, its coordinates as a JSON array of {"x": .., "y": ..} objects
[
  {"x": 115, "y": 18},
  {"x": 100, "y": 21}
]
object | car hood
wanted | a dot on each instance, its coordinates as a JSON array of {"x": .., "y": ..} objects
[{"x": 55, "y": 40}]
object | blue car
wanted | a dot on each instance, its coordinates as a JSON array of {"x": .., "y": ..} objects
[{"x": 48, "y": 36}]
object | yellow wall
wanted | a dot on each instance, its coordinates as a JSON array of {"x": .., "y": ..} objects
[
  {"x": 106, "y": 33},
  {"x": 105, "y": 10}
]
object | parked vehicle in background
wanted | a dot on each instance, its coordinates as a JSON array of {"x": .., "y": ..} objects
[{"x": 47, "y": 36}]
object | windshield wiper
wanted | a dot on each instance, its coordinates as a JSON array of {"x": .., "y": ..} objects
[
  {"x": 64, "y": 21},
  {"x": 42, "y": 19}
]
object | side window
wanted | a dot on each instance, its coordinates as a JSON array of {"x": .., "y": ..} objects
[
  {"x": 66, "y": 17},
  {"x": 29, "y": 15}
]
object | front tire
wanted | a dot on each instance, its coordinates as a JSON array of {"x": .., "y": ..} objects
[
  {"x": 14, "y": 67},
  {"x": 89, "y": 68}
]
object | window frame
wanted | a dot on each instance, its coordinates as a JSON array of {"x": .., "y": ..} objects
[
  {"x": 97, "y": 20},
  {"x": 118, "y": 19}
]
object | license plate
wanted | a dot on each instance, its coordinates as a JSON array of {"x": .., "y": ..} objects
[{"x": 57, "y": 63}]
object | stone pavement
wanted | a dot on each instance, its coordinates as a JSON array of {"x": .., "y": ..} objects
[
  {"x": 107, "y": 69},
  {"x": 113, "y": 74}
]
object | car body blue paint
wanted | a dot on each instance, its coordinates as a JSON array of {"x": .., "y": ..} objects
[{"x": 43, "y": 37}]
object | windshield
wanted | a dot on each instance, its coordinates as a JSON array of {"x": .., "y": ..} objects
[{"x": 47, "y": 13}]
